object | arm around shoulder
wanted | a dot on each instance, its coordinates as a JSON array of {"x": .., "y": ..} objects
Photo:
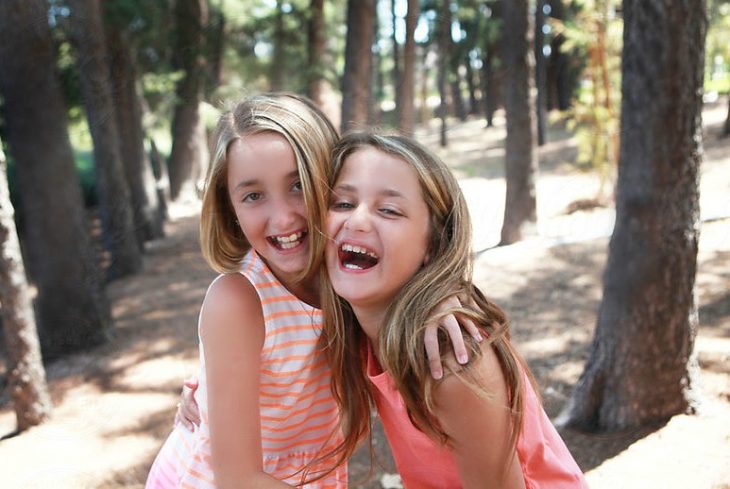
[
  {"x": 480, "y": 428},
  {"x": 232, "y": 334}
]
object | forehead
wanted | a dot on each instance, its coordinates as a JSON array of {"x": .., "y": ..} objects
[
  {"x": 265, "y": 153},
  {"x": 373, "y": 169}
]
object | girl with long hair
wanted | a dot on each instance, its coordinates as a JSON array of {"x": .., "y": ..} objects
[{"x": 399, "y": 241}]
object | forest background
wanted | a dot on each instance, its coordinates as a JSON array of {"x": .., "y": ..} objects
[{"x": 566, "y": 121}]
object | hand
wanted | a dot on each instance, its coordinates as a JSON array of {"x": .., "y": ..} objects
[
  {"x": 452, "y": 326},
  {"x": 188, "y": 413}
]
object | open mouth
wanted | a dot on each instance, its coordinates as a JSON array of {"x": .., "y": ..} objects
[
  {"x": 356, "y": 257},
  {"x": 289, "y": 241}
]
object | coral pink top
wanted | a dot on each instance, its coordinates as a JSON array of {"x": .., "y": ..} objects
[
  {"x": 423, "y": 463},
  {"x": 298, "y": 413}
]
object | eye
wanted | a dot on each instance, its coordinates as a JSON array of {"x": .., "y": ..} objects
[
  {"x": 390, "y": 212},
  {"x": 297, "y": 186},
  {"x": 251, "y": 197},
  {"x": 341, "y": 205}
]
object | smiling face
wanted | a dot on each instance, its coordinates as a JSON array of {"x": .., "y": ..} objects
[
  {"x": 266, "y": 195},
  {"x": 378, "y": 224}
]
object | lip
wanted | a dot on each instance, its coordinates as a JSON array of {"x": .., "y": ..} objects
[
  {"x": 271, "y": 240},
  {"x": 360, "y": 244}
]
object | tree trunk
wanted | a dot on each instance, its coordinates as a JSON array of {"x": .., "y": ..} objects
[
  {"x": 457, "y": 95},
  {"x": 397, "y": 73},
  {"x": 162, "y": 181},
  {"x": 188, "y": 149},
  {"x": 215, "y": 53},
  {"x": 726, "y": 128},
  {"x": 641, "y": 369},
  {"x": 148, "y": 216},
  {"x": 540, "y": 115},
  {"x": 278, "y": 64},
  {"x": 520, "y": 153},
  {"x": 356, "y": 80},
  {"x": 26, "y": 376},
  {"x": 406, "y": 110},
  {"x": 115, "y": 204},
  {"x": 443, "y": 33},
  {"x": 316, "y": 51},
  {"x": 71, "y": 309},
  {"x": 473, "y": 101}
]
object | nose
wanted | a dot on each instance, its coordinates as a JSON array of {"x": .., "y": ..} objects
[
  {"x": 358, "y": 220},
  {"x": 284, "y": 215}
]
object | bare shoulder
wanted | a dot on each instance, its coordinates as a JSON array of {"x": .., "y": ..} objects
[
  {"x": 231, "y": 303},
  {"x": 486, "y": 370}
]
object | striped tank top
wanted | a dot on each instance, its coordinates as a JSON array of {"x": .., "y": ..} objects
[{"x": 298, "y": 413}]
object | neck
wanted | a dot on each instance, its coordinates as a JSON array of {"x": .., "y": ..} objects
[
  {"x": 371, "y": 319},
  {"x": 306, "y": 290}
]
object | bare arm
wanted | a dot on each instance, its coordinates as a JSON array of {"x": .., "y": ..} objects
[
  {"x": 232, "y": 333},
  {"x": 480, "y": 428}
]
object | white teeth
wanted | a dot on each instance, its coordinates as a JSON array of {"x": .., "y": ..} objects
[
  {"x": 351, "y": 266},
  {"x": 292, "y": 238},
  {"x": 358, "y": 249}
]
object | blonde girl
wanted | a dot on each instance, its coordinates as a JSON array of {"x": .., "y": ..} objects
[
  {"x": 398, "y": 243},
  {"x": 264, "y": 395}
]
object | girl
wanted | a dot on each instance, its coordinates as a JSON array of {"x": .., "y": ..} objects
[
  {"x": 266, "y": 407},
  {"x": 399, "y": 241},
  {"x": 264, "y": 394}
]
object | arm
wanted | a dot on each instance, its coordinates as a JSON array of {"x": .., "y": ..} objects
[
  {"x": 232, "y": 334},
  {"x": 481, "y": 438}
]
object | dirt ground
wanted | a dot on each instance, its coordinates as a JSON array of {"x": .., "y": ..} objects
[{"x": 114, "y": 406}]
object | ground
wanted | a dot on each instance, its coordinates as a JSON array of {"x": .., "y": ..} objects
[{"x": 114, "y": 406}]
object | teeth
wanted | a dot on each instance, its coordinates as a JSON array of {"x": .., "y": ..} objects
[
  {"x": 351, "y": 266},
  {"x": 358, "y": 249},
  {"x": 292, "y": 238}
]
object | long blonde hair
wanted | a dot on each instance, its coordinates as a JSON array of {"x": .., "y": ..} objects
[
  {"x": 311, "y": 136},
  {"x": 401, "y": 337}
]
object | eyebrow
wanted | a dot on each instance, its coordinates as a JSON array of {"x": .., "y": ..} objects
[
  {"x": 254, "y": 181},
  {"x": 388, "y": 192}
]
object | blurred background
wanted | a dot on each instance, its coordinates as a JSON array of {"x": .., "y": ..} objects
[{"x": 565, "y": 121}]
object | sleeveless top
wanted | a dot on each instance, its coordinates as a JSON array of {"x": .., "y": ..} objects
[
  {"x": 298, "y": 413},
  {"x": 423, "y": 463}
]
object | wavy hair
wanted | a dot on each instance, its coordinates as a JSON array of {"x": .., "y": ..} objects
[
  {"x": 401, "y": 338},
  {"x": 311, "y": 136}
]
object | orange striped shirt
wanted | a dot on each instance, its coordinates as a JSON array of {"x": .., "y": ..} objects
[{"x": 298, "y": 414}]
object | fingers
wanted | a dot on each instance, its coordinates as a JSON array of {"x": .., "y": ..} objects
[
  {"x": 188, "y": 408},
  {"x": 451, "y": 325},
  {"x": 469, "y": 325},
  {"x": 430, "y": 339},
  {"x": 191, "y": 382},
  {"x": 180, "y": 420}
]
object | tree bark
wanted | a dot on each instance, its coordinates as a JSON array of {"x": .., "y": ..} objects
[
  {"x": 520, "y": 153},
  {"x": 443, "y": 36},
  {"x": 148, "y": 216},
  {"x": 406, "y": 110},
  {"x": 278, "y": 64},
  {"x": 642, "y": 368},
  {"x": 115, "y": 204},
  {"x": 26, "y": 376},
  {"x": 473, "y": 101},
  {"x": 71, "y": 308},
  {"x": 397, "y": 72},
  {"x": 188, "y": 149},
  {"x": 316, "y": 51},
  {"x": 540, "y": 115},
  {"x": 356, "y": 80}
]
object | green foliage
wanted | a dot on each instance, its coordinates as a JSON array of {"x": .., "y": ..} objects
[
  {"x": 596, "y": 31},
  {"x": 717, "y": 50}
]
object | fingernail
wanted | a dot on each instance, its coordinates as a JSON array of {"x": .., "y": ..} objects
[
  {"x": 438, "y": 375},
  {"x": 479, "y": 337},
  {"x": 463, "y": 358}
]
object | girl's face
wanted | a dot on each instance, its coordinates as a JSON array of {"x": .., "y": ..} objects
[
  {"x": 378, "y": 224},
  {"x": 266, "y": 194}
]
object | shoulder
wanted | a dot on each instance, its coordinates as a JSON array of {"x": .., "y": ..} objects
[
  {"x": 480, "y": 382},
  {"x": 230, "y": 301}
]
